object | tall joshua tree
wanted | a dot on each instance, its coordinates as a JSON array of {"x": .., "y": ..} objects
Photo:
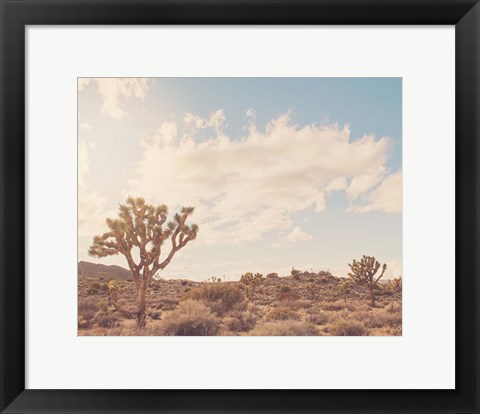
[
  {"x": 140, "y": 231},
  {"x": 364, "y": 271}
]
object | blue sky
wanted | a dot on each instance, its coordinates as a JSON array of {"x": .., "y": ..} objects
[{"x": 284, "y": 172}]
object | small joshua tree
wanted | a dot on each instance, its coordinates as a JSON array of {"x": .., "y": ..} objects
[
  {"x": 114, "y": 290},
  {"x": 214, "y": 279},
  {"x": 250, "y": 282},
  {"x": 364, "y": 271},
  {"x": 343, "y": 288},
  {"x": 396, "y": 284},
  {"x": 140, "y": 231},
  {"x": 295, "y": 273}
]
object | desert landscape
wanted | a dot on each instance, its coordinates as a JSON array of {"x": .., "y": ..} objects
[
  {"x": 240, "y": 206},
  {"x": 304, "y": 303}
]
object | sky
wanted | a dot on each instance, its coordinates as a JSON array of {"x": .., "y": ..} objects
[{"x": 283, "y": 173}]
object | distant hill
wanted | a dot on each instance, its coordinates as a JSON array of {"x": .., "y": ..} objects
[{"x": 101, "y": 270}]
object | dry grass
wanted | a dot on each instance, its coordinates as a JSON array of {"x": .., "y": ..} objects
[
  {"x": 344, "y": 327},
  {"x": 284, "y": 328},
  {"x": 282, "y": 314},
  {"x": 281, "y": 306},
  {"x": 318, "y": 317},
  {"x": 221, "y": 298},
  {"x": 87, "y": 309},
  {"x": 240, "y": 322},
  {"x": 190, "y": 318}
]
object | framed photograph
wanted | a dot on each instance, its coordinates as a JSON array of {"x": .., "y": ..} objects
[
  {"x": 240, "y": 207},
  {"x": 266, "y": 190}
]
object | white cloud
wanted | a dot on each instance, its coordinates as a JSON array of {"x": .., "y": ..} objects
[
  {"x": 387, "y": 197},
  {"x": 245, "y": 189},
  {"x": 364, "y": 182},
  {"x": 250, "y": 113},
  {"x": 296, "y": 235},
  {"x": 214, "y": 121},
  {"x": 165, "y": 135},
  {"x": 115, "y": 91},
  {"x": 90, "y": 204}
]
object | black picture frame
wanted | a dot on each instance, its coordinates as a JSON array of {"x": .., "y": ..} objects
[{"x": 17, "y": 14}]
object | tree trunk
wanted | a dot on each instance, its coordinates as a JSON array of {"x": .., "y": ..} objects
[
  {"x": 372, "y": 296},
  {"x": 141, "y": 305}
]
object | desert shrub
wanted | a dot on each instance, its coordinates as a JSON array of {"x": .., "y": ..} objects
[
  {"x": 393, "y": 308},
  {"x": 87, "y": 309},
  {"x": 184, "y": 282},
  {"x": 281, "y": 314},
  {"x": 190, "y": 318},
  {"x": 241, "y": 322},
  {"x": 396, "y": 284},
  {"x": 284, "y": 328},
  {"x": 300, "y": 304},
  {"x": 166, "y": 303},
  {"x": 334, "y": 306},
  {"x": 220, "y": 297},
  {"x": 383, "y": 318},
  {"x": 83, "y": 323},
  {"x": 127, "y": 314},
  {"x": 289, "y": 296},
  {"x": 155, "y": 315},
  {"x": 383, "y": 293},
  {"x": 344, "y": 327},
  {"x": 387, "y": 331},
  {"x": 325, "y": 274},
  {"x": 92, "y": 291},
  {"x": 96, "y": 285},
  {"x": 123, "y": 302},
  {"x": 107, "y": 321},
  {"x": 295, "y": 272},
  {"x": 283, "y": 289},
  {"x": 290, "y": 301},
  {"x": 296, "y": 277},
  {"x": 318, "y": 318},
  {"x": 256, "y": 311},
  {"x": 102, "y": 306},
  {"x": 311, "y": 291},
  {"x": 272, "y": 275}
]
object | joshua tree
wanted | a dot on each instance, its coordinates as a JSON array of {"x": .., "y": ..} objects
[
  {"x": 140, "y": 231},
  {"x": 363, "y": 272},
  {"x": 250, "y": 282},
  {"x": 114, "y": 289},
  {"x": 396, "y": 284},
  {"x": 343, "y": 288}
]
